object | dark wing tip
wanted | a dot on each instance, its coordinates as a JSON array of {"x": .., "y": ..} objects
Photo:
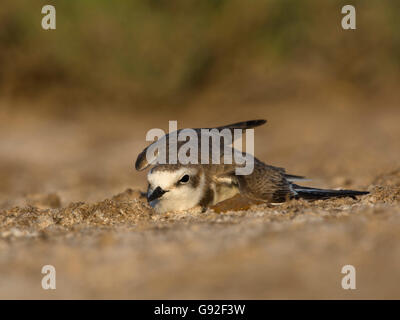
[
  {"x": 256, "y": 123},
  {"x": 141, "y": 161},
  {"x": 245, "y": 124},
  {"x": 293, "y": 177}
]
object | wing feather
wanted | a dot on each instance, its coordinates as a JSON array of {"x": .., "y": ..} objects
[{"x": 142, "y": 162}]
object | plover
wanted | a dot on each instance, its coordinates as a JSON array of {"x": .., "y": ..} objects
[{"x": 177, "y": 187}]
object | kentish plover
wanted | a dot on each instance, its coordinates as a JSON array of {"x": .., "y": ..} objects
[{"x": 177, "y": 187}]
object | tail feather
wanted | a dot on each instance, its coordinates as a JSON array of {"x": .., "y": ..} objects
[{"x": 317, "y": 194}]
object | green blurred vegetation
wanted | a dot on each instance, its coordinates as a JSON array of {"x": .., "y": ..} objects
[{"x": 159, "y": 50}]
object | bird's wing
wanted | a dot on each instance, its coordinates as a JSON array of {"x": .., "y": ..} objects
[
  {"x": 291, "y": 177},
  {"x": 244, "y": 124},
  {"x": 266, "y": 183},
  {"x": 162, "y": 145}
]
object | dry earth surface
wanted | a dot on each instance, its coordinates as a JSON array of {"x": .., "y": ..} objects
[{"x": 69, "y": 197}]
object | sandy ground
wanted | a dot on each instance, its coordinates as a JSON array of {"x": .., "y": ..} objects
[{"x": 69, "y": 197}]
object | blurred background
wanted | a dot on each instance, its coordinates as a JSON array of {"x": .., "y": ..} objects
[
  {"x": 165, "y": 54},
  {"x": 76, "y": 102}
]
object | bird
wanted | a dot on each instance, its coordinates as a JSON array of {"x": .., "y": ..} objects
[{"x": 180, "y": 187}]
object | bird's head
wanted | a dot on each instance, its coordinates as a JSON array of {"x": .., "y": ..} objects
[{"x": 175, "y": 187}]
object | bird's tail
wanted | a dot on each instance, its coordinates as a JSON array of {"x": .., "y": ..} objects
[{"x": 317, "y": 194}]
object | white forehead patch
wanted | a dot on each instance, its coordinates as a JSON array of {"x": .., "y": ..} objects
[{"x": 166, "y": 179}]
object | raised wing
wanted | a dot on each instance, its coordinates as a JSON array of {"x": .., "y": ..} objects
[{"x": 143, "y": 161}]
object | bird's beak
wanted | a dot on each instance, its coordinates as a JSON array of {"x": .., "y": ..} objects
[{"x": 157, "y": 193}]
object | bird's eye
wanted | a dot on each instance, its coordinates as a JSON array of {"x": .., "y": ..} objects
[{"x": 184, "y": 179}]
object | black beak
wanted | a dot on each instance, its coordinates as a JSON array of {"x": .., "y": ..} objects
[{"x": 157, "y": 193}]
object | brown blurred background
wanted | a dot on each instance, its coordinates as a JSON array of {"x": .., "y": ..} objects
[
  {"x": 76, "y": 102},
  {"x": 164, "y": 54}
]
